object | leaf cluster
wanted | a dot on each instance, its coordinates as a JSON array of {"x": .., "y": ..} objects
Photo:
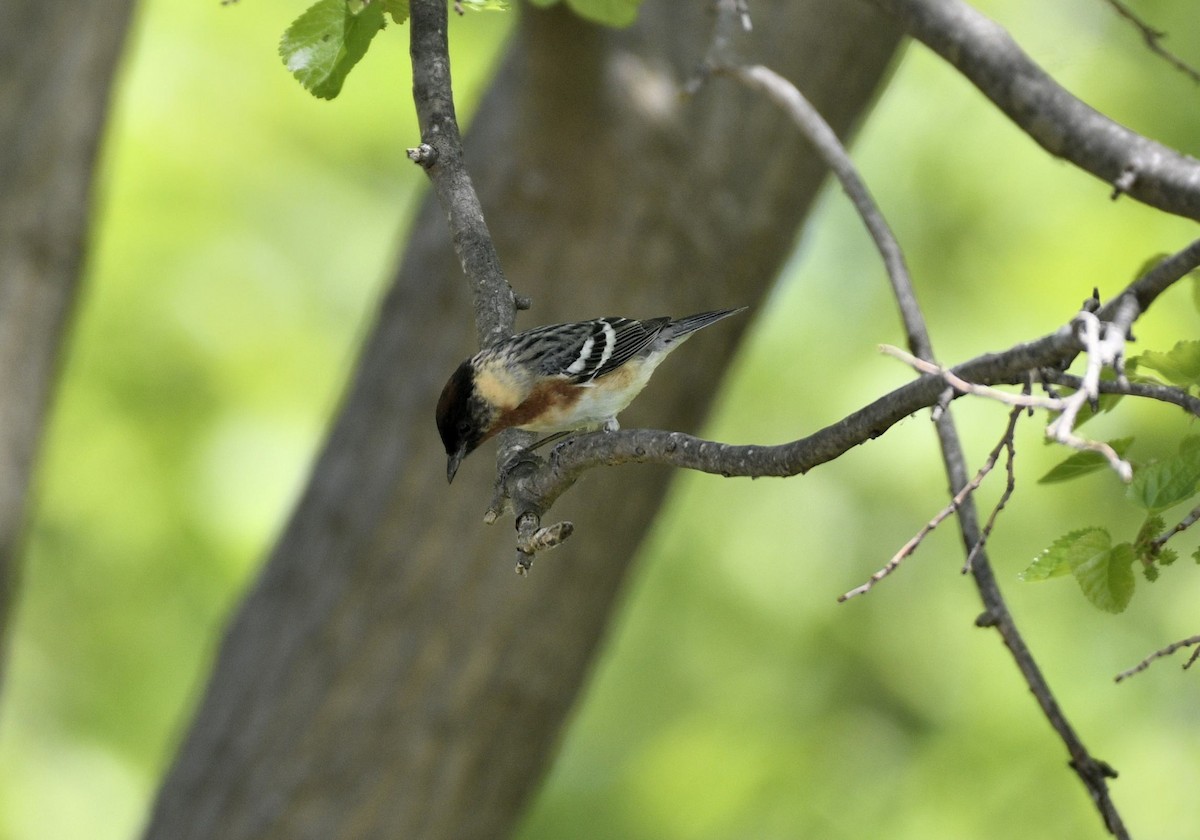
[
  {"x": 323, "y": 45},
  {"x": 1102, "y": 568}
]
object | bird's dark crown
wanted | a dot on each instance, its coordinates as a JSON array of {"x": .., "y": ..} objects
[{"x": 455, "y": 418}]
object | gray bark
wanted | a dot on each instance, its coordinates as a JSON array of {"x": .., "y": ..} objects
[
  {"x": 389, "y": 675},
  {"x": 56, "y": 64}
]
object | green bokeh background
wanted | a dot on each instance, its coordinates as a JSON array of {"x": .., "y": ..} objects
[{"x": 244, "y": 231}]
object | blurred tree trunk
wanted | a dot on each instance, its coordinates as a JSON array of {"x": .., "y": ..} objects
[
  {"x": 389, "y": 675},
  {"x": 56, "y": 64}
]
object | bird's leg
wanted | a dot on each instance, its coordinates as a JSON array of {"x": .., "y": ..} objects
[{"x": 539, "y": 444}]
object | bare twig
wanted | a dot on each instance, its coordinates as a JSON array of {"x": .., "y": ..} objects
[
  {"x": 1022, "y": 400},
  {"x": 1159, "y": 654},
  {"x": 1153, "y": 38},
  {"x": 1187, "y": 522},
  {"x": 955, "y": 504},
  {"x": 1009, "y": 486}
]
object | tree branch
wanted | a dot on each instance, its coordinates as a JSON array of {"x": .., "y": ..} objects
[
  {"x": 1147, "y": 390},
  {"x": 1060, "y": 123},
  {"x": 731, "y": 460},
  {"x": 539, "y": 487},
  {"x": 441, "y": 156}
]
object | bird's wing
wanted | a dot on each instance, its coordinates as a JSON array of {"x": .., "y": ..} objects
[
  {"x": 583, "y": 350},
  {"x": 627, "y": 339}
]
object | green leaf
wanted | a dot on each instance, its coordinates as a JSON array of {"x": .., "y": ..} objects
[
  {"x": 1180, "y": 365},
  {"x": 1065, "y": 553},
  {"x": 323, "y": 44},
  {"x": 1161, "y": 484},
  {"x": 617, "y": 13},
  {"x": 1167, "y": 556},
  {"x": 1106, "y": 577},
  {"x": 1150, "y": 572},
  {"x": 398, "y": 9},
  {"x": 1151, "y": 528},
  {"x": 1082, "y": 463},
  {"x": 1196, "y": 555}
]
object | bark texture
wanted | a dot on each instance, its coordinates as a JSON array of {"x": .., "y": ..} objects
[
  {"x": 56, "y": 64},
  {"x": 388, "y": 675}
]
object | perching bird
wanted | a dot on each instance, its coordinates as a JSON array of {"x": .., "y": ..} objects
[{"x": 556, "y": 378}]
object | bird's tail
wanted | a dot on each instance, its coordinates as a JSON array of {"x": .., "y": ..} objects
[{"x": 683, "y": 327}]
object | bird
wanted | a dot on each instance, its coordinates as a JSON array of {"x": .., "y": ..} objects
[{"x": 557, "y": 378}]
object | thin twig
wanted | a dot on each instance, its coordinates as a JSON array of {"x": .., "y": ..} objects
[
  {"x": 1159, "y": 654},
  {"x": 1022, "y": 400},
  {"x": 1153, "y": 38},
  {"x": 1009, "y": 486},
  {"x": 1058, "y": 431},
  {"x": 1185, "y": 523},
  {"x": 909, "y": 547},
  {"x": 1148, "y": 390}
]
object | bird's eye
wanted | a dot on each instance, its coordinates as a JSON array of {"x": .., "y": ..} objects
[{"x": 464, "y": 427}]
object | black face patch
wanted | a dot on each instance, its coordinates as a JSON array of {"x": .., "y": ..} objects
[{"x": 454, "y": 416}]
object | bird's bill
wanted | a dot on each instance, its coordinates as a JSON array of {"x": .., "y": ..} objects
[{"x": 452, "y": 463}]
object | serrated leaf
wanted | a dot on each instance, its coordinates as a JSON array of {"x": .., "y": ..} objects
[
  {"x": 1082, "y": 463},
  {"x": 1162, "y": 484},
  {"x": 617, "y": 13},
  {"x": 1150, "y": 572},
  {"x": 1167, "y": 556},
  {"x": 1106, "y": 577},
  {"x": 1180, "y": 365},
  {"x": 1065, "y": 552},
  {"x": 323, "y": 44},
  {"x": 398, "y": 9}
]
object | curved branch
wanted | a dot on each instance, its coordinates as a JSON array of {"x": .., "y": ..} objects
[
  {"x": 536, "y": 487},
  {"x": 1060, "y": 123}
]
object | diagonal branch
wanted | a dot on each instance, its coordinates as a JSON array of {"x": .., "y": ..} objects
[{"x": 1060, "y": 123}]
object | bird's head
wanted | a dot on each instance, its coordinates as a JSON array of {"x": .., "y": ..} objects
[{"x": 463, "y": 418}]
